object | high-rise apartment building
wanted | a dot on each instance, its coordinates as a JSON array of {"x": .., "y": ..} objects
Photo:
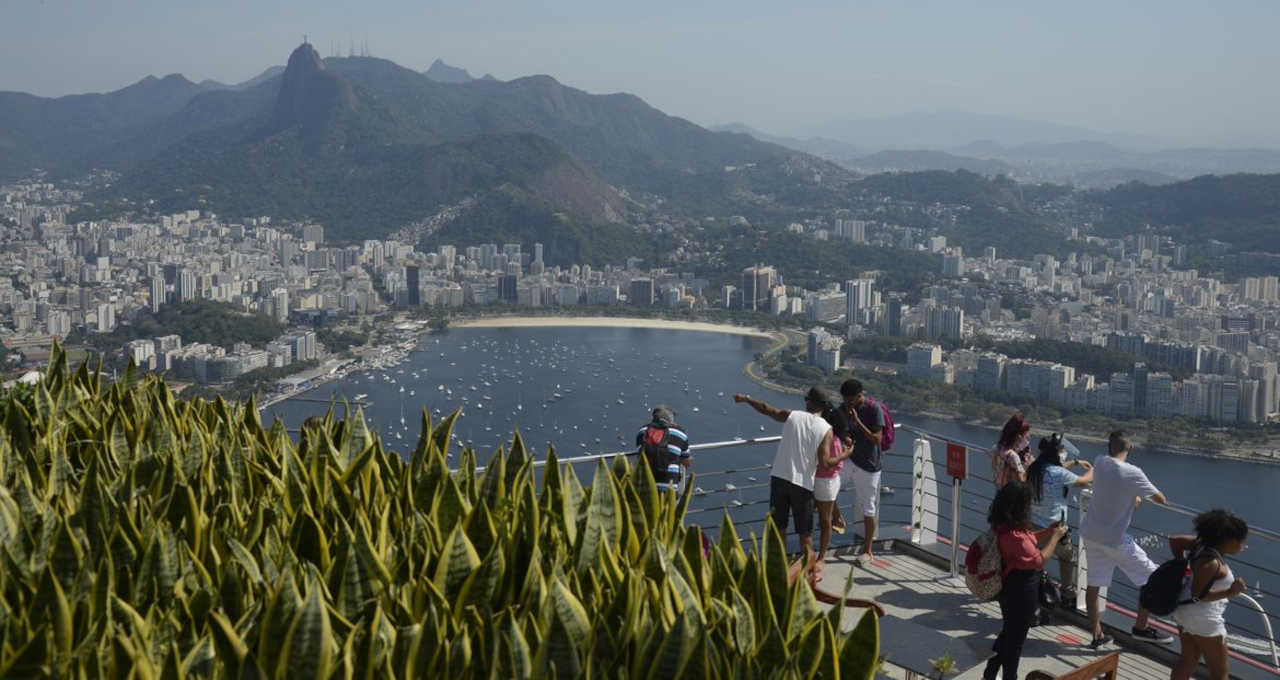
[{"x": 757, "y": 286}]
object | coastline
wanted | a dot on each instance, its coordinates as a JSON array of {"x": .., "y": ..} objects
[{"x": 606, "y": 322}]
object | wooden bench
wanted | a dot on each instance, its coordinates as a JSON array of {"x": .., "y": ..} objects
[{"x": 1106, "y": 667}]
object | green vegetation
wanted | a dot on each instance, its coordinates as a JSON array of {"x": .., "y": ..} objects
[
  {"x": 337, "y": 341},
  {"x": 215, "y": 323},
  {"x": 998, "y": 209},
  {"x": 1243, "y": 210},
  {"x": 805, "y": 261},
  {"x": 144, "y": 536}
]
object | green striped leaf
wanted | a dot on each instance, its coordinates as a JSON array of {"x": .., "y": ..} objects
[{"x": 308, "y": 643}]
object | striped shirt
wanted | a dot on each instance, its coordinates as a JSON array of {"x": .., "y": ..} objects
[{"x": 677, "y": 448}]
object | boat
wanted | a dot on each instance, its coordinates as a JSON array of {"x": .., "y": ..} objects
[
  {"x": 886, "y": 490},
  {"x": 361, "y": 396},
  {"x": 621, "y": 402},
  {"x": 695, "y": 409}
]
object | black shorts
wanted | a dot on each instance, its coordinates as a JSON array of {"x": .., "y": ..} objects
[{"x": 784, "y": 498}]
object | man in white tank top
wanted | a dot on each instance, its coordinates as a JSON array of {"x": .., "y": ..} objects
[{"x": 805, "y": 436}]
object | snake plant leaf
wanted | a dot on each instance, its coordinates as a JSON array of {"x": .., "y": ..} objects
[
  {"x": 30, "y": 659},
  {"x": 829, "y": 660},
  {"x": 246, "y": 561},
  {"x": 860, "y": 650},
  {"x": 451, "y": 505},
  {"x": 604, "y": 509},
  {"x": 405, "y": 657},
  {"x": 776, "y": 573},
  {"x": 517, "y": 648},
  {"x": 307, "y": 651},
  {"x": 230, "y": 648},
  {"x": 456, "y": 564},
  {"x": 804, "y": 606},
  {"x": 676, "y": 646},
  {"x": 479, "y": 588},
  {"x": 356, "y": 438}
]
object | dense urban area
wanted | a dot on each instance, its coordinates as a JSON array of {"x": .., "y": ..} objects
[{"x": 1119, "y": 327}]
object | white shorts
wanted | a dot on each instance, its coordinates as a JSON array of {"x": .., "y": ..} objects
[
  {"x": 1128, "y": 556},
  {"x": 1201, "y": 618},
  {"x": 826, "y": 488},
  {"x": 866, "y": 490}
]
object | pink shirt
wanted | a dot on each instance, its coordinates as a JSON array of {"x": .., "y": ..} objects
[
  {"x": 1008, "y": 464},
  {"x": 837, "y": 450}
]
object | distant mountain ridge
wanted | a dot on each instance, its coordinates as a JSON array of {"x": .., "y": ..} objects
[
  {"x": 947, "y": 130},
  {"x": 444, "y": 73},
  {"x": 369, "y": 147}
]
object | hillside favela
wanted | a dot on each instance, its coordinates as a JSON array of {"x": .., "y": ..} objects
[{"x": 729, "y": 341}]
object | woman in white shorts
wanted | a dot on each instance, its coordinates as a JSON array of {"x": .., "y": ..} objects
[
  {"x": 826, "y": 481},
  {"x": 1201, "y": 622}
]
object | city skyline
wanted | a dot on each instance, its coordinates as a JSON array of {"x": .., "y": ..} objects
[{"x": 1179, "y": 73}]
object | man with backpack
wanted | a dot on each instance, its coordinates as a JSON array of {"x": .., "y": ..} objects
[
  {"x": 868, "y": 425},
  {"x": 1118, "y": 488},
  {"x": 665, "y": 448}
]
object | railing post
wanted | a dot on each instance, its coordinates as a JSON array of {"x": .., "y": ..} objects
[
  {"x": 1082, "y": 559},
  {"x": 924, "y": 494},
  {"x": 956, "y": 491}
]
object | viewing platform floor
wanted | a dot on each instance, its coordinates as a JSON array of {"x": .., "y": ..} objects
[{"x": 937, "y": 615}]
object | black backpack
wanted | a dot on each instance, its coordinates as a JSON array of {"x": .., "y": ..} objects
[
  {"x": 1163, "y": 590},
  {"x": 656, "y": 453}
]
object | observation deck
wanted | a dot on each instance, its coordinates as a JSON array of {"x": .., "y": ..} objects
[{"x": 927, "y": 519}]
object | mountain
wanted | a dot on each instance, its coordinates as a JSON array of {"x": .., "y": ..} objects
[
  {"x": 823, "y": 147},
  {"x": 270, "y": 73},
  {"x": 915, "y": 161},
  {"x": 949, "y": 130},
  {"x": 444, "y": 73},
  {"x": 68, "y": 131},
  {"x": 1242, "y": 210},
  {"x": 327, "y": 148},
  {"x": 371, "y": 148}
]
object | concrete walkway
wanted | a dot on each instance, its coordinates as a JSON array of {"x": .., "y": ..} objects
[{"x": 930, "y": 602}]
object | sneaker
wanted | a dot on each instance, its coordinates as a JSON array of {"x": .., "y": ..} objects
[
  {"x": 1101, "y": 641},
  {"x": 1150, "y": 634},
  {"x": 838, "y": 528}
]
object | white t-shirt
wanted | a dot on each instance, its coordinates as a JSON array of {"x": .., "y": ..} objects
[
  {"x": 797, "y": 458},
  {"x": 1115, "y": 485}
]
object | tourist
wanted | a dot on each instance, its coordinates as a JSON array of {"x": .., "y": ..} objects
[
  {"x": 1012, "y": 452},
  {"x": 826, "y": 484},
  {"x": 665, "y": 447},
  {"x": 1051, "y": 482},
  {"x": 1201, "y": 625},
  {"x": 1010, "y": 519},
  {"x": 806, "y": 437},
  {"x": 866, "y": 421},
  {"x": 1118, "y": 489}
]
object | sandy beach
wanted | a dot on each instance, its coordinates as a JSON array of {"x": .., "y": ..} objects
[{"x": 605, "y": 322}]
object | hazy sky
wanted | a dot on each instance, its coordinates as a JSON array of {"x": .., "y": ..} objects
[{"x": 1191, "y": 72}]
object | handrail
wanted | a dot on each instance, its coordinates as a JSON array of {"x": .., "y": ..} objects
[
  {"x": 707, "y": 446},
  {"x": 1266, "y": 623},
  {"x": 1178, "y": 508}
]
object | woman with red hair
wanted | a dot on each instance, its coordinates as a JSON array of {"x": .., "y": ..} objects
[{"x": 1012, "y": 453}]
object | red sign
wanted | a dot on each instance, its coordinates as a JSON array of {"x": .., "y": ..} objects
[{"x": 957, "y": 461}]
